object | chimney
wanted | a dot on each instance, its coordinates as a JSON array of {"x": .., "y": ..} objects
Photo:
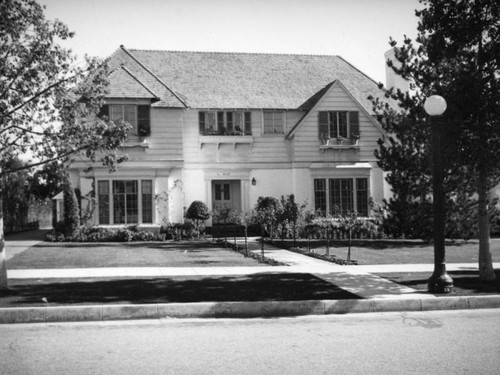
[{"x": 393, "y": 80}]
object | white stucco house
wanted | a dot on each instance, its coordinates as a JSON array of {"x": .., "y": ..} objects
[{"x": 226, "y": 128}]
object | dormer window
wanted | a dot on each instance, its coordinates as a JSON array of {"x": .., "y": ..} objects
[
  {"x": 338, "y": 125},
  {"x": 137, "y": 116}
]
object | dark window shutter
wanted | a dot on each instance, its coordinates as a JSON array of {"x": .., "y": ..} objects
[
  {"x": 201, "y": 117},
  {"x": 354, "y": 123},
  {"x": 143, "y": 120},
  {"x": 104, "y": 111},
  {"x": 248, "y": 123},
  {"x": 323, "y": 125}
]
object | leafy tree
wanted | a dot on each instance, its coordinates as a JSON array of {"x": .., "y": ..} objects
[
  {"x": 15, "y": 199},
  {"x": 47, "y": 181},
  {"x": 198, "y": 211},
  {"x": 71, "y": 210},
  {"x": 48, "y": 103},
  {"x": 457, "y": 56},
  {"x": 268, "y": 211},
  {"x": 291, "y": 214}
]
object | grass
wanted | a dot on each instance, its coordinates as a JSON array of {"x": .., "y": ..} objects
[
  {"x": 465, "y": 282},
  {"x": 257, "y": 287},
  {"x": 260, "y": 287},
  {"x": 135, "y": 254},
  {"x": 398, "y": 252}
]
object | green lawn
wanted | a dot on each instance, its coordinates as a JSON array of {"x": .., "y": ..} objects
[
  {"x": 399, "y": 252},
  {"x": 129, "y": 254}
]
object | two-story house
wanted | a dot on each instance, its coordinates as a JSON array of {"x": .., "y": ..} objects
[{"x": 226, "y": 128}]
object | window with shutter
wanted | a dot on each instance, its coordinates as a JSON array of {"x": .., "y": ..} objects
[
  {"x": 104, "y": 111},
  {"x": 339, "y": 125},
  {"x": 138, "y": 116},
  {"x": 143, "y": 121},
  {"x": 201, "y": 118}
]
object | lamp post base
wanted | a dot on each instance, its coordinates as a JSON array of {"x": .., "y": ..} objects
[{"x": 440, "y": 283}]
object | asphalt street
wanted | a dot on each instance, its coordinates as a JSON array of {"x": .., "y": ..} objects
[{"x": 445, "y": 342}]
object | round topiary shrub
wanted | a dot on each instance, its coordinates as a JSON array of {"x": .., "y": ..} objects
[{"x": 198, "y": 211}]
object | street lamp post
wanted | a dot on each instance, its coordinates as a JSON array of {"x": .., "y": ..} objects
[{"x": 440, "y": 281}]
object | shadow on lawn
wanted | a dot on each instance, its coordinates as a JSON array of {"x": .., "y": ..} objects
[
  {"x": 467, "y": 281},
  {"x": 259, "y": 287}
]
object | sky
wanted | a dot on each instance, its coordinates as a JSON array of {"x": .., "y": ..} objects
[{"x": 357, "y": 30}]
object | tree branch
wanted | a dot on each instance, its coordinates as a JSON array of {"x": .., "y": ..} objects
[
  {"x": 28, "y": 166},
  {"x": 18, "y": 74},
  {"x": 40, "y": 93}
]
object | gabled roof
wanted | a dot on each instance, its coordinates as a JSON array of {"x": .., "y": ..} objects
[
  {"x": 241, "y": 80},
  {"x": 317, "y": 98}
]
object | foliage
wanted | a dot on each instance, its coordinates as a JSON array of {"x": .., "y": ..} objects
[
  {"x": 267, "y": 213},
  {"x": 48, "y": 181},
  {"x": 341, "y": 227},
  {"x": 15, "y": 196},
  {"x": 456, "y": 56},
  {"x": 225, "y": 215},
  {"x": 48, "y": 103},
  {"x": 290, "y": 219},
  {"x": 100, "y": 234},
  {"x": 71, "y": 212},
  {"x": 179, "y": 231},
  {"x": 198, "y": 210}
]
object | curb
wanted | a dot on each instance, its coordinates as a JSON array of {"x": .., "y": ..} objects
[{"x": 259, "y": 309}]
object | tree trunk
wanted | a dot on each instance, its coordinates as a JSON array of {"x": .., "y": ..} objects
[
  {"x": 4, "y": 281},
  {"x": 486, "y": 271}
]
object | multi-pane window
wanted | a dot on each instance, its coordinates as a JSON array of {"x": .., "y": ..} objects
[
  {"x": 274, "y": 122},
  {"x": 225, "y": 123},
  {"x": 125, "y": 201},
  {"x": 362, "y": 196},
  {"x": 127, "y": 113},
  {"x": 341, "y": 195},
  {"x": 103, "y": 199},
  {"x": 320, "y": 202},
  {"x": 147, "y": 201},
  {"x": 138, "y": 116},
  {"x": 338, "y": 196},
  {"x": 338, "y": 124},
  {"x": 222, "y": 192}
]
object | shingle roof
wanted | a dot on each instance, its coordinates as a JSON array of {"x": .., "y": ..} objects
[
  {"x": 241, "y": 80},
  {"x": 123, "y": 84}
]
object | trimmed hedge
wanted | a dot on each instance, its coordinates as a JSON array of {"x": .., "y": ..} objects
[{"x": 99, "y": 234}]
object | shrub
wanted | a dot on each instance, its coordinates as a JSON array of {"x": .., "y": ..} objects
[
  {"x": 71, "y": 209},
  {"x": 98, "y": 234},
  {"x": 198, "y": 211}
]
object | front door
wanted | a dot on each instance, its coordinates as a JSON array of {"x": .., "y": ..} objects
[
  {"x": 226, "y": 197},
  {"x": 222, "y": 194}
]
